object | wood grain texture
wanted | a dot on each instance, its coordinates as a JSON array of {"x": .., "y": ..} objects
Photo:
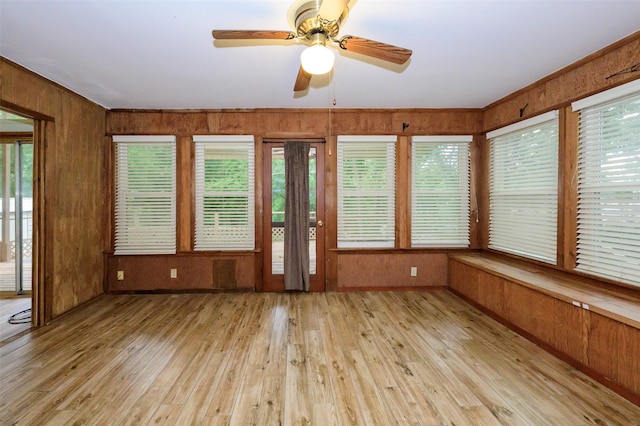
[
  {"x": 301, "y": 123},
  {"x": 595, "y": 328},
  {"x": 583, "y": 78},
  {"x": 475, "y": 194},
  {"x": 302, "y": 80},
  {"x": 316, "y": 359},
  {"x": 482, "y": 189},
  {"x": 72, "y": 180},
  {"x": 185, "y": 211},
  {"x": 389, "y": 270},
  {"x": 375, "y": 49},
  {"x": 195, "y": 272},
  {"x": 331, "y": 212},
  {"x": 252, "y": 35},
  {"x": 403, "y": 193},
  {"x": 41, "y": 310},
  {"x": 10, "y": 305},
  {"x": 616, "y": 303},
  {"x": 568, "y": 189}
]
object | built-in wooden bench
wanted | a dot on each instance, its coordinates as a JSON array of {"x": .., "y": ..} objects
[{"x": 594, "y": 327}]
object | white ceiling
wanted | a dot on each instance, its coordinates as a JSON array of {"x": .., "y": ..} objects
[{"x": 160, "y": 54}]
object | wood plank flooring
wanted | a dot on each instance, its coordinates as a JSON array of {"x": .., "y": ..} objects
[
  {"x": 10, "y": 305},
  {"x": 405, "y": 358}
]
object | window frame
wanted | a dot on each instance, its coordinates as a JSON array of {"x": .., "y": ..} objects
[
  {"x": 607, "y": 240},
  {"x": 512, "y": 170},
  {"x": 347, "y": 234},
  {"x": 125, "y": 240},
  {"x": 455, "y": 188},
  {"x": 202, "y": 241}
]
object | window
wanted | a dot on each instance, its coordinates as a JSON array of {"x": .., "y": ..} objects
[
  {"x": 366, "y": 191},
  {"x": 225, "y": 213},
  {"x": 145, "y": 208},
  {"x": 609, "y": 184},
  {"x": 523, "y": 188},
  {"x": 440, "y": 191}
]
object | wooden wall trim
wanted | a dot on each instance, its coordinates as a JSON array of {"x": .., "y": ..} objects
[
  {"x": 17, "y": 109},
  {"x": 259, "y": 211},
  {"x": 109, "y": 208},
  {"x": 26, "y": 137},
  {"x": 295, "y": 123},
  {"x": 331, "y": 213},
  {"x": 40, "y": 304},
  {"x": 475, "y": 192},
  {"x": 403, "y": 192},
  {"x": 47, "y": 242},
  {"x": 568, "y": 189},
  {"x": 185, "y": 193}
]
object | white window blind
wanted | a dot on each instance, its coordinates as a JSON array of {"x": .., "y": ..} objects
[
  {"x": 145, "y": 205},
  {"x": 523, "y": 189},
  {"x": 440, "y": 191},
  {"x": 609, "y": 186},
  {"x": 225, "y": 202},
  {"x": 366, "y": 191}
]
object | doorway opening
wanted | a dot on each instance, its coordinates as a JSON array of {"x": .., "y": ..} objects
[
  {"x": 16, "y": 223},
  {"x": 274, "y": 196}
]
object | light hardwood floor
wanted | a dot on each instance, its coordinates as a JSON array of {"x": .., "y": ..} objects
[
  {"x": 407, "y": 358},
  {"x": 11, "y": 305}
]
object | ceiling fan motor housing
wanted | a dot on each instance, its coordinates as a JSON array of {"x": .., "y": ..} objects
[{"x": 304, "y": 19}]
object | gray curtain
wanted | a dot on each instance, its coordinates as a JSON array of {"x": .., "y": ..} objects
[{"x": 296, "y": 216}]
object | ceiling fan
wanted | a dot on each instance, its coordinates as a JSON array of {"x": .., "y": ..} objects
[{"x": 315, "y": 23}]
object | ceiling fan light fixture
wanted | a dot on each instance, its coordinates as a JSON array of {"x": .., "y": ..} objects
[{"x": 317, "y": 59}]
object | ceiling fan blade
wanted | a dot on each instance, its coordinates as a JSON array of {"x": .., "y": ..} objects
[
  {"x": 302, "y": 81},
  {"x": 375, "y": 49},
  {"x": 252, "y": 34},
  {"x": 331, "y": 10}
]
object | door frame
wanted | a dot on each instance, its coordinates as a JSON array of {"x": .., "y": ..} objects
[
  {"x": 275, "y": 283},
  {"x": 41, "y": 293}
]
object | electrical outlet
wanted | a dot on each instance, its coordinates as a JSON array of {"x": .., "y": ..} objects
[
  {"x": 120, "y": 275},
  {"x": 414, "y": 271},
  {"x": 174, "y": 273}
]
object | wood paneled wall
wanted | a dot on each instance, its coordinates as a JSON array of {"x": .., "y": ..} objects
[
  {"x": 70, "y": 190},
  {"x": 391, "y": 270},
  {"x": 578, "y": 80},
  {"x": 296, "y": 123},
  {"x": 589, "y": 75},
  {"x": 344, "y": 269},
  {"x": 200, "y": 272}
]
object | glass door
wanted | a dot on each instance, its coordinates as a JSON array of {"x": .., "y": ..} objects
[
  {"x": 16, "y": 216},
  {"x": 16, "y": 219},
  {"x": 274, "y": 197}
]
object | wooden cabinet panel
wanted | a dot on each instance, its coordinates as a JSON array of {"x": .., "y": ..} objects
[
  {"x": 604, "y": 347},
  {"x": 491, "y": 293},
  {"x": 522, "y": 308},
  {"x": 464, "y": 279},
  {"x": 614, "y": 351},
  {"x": 567, "y": 327}
]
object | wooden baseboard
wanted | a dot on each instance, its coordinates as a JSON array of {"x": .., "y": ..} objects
[
  {"x": 402, "y": 288},
  {"x": 13, "y": 295},
  {"x": 184, "y": 291}
]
